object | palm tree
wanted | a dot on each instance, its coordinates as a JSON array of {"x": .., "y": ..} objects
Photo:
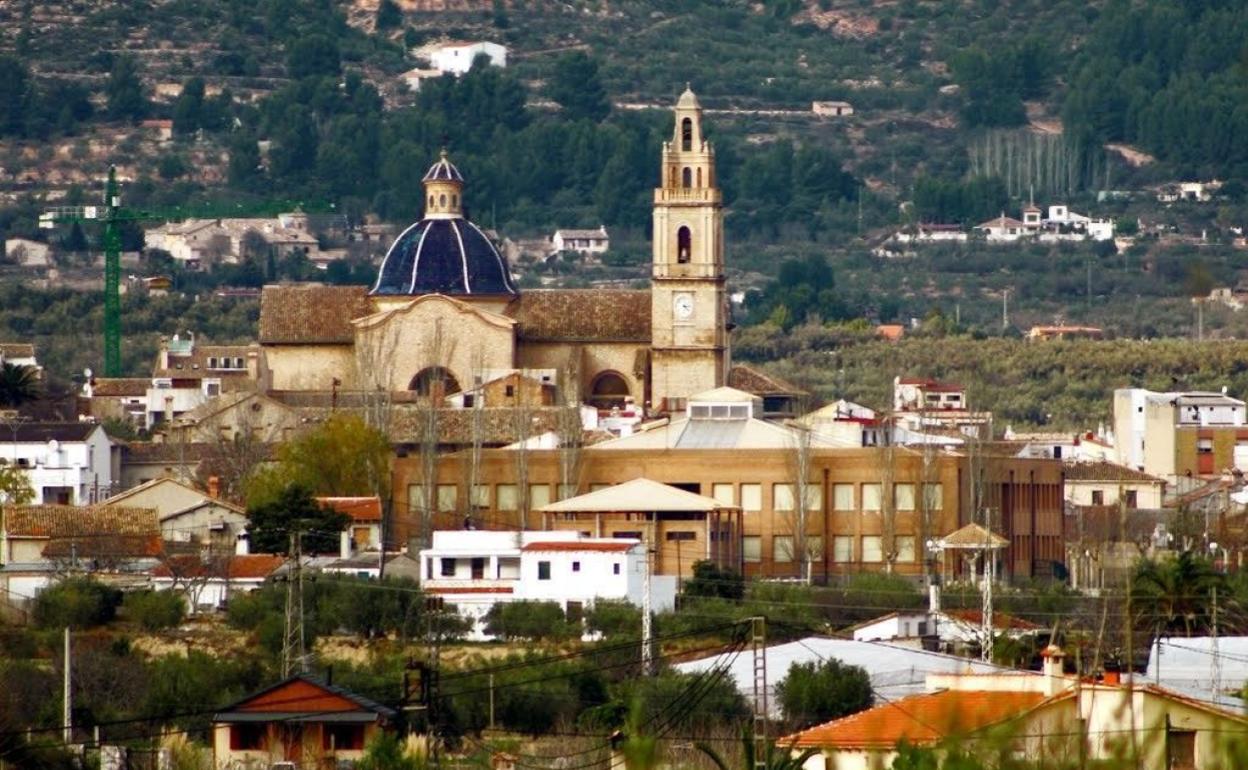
[
  {"x": 1176, "y": 591},
  {"x": 776, "y": 759},
  {"x": 18, "y": 384}
]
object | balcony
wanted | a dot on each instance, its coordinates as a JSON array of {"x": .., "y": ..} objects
[{"x": 697, "y": 195}]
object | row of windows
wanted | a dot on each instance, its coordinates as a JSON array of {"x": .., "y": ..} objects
[
  {"x": 749, "y": 496},
  {"x": 871, "y": 548},
  {"x": 543, "y": 569},
  {"x": 225, "y": 362}
]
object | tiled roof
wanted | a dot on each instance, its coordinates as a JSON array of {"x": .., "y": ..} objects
[
  {"x": 582, "y": 546},
  {"x": 43, "y": 432},
  {"x": 999, "y": 620},
  {"x": 308, "y": 314},
  {"x": 1106, "y": 471},
  {"x": 358, "y": 508},
  {"x": 167, "y": 452},
  {"x": 196, "y": 364},
  {"x": 751, "y": 380},
  {"x": 86, "y": 530},
  {"x": 254, "y": 566},
  {"x": 120, "y": 386},
  {"x": 598, "y": 315},
  {"x": 918, "y": 720},
  {"x": 973, "y": 536},
  {"x": 17, "y": 350}
]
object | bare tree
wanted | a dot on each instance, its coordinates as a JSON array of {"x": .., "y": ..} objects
[
  {"x": 888, "y": 498},
  {"x": 569, "y": 427},
  {"x": 191, "y": 573},
  {"x": 801, "y": 438},
  {"x": 522, "y": 417}
]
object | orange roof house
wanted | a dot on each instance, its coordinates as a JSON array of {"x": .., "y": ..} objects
[{"x": 302, "y": 720}]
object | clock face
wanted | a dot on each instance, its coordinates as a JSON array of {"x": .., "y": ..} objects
[{"x": 683, "y": 305}]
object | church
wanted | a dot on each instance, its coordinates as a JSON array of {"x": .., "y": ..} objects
[{"x": 445, "y": 319}]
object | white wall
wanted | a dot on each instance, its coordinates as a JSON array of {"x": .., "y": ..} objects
[{"x": 84, "y": 467}]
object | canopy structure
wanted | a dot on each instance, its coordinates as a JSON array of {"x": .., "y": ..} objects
[
  {"x": 680, "y": 527},
  {"x": 973, "y": 537}
]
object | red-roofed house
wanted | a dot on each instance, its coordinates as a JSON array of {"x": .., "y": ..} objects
[
  {"x": 208, "y": 582},
  {"x": 364, "y": 531},
  {"x": 301, "y": 721},
  {"x": 1046, "y": 718},
  {"x": 476, "y": 569}
]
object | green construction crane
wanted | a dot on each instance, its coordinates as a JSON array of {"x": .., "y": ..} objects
[{"x": 111, "y": 215}]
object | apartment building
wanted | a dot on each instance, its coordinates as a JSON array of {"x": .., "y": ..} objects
[{"x": 1180, "y": 435}]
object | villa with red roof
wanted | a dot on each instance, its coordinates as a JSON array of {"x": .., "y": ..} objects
[{"x": 1048, "y": 718}]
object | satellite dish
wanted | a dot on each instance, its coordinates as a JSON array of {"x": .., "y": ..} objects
[
  {"x": 53, "y": 445},
  {"x": 87, "y": 373}
]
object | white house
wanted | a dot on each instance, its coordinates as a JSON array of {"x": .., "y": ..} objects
[
  {"x": 68, "y": 463},
  {"x": 475, "y": 569},
  {"x": 952, "y": 627},
  {"x": 207, "y": 583},
  {"x": 19, "y": 354},
  {"x": 26, "y": 253},
  {"x": 1003, "y": 229},
  {"x": 581, "y": 241},
  {"x": 457, "y": 57},
  {"x": 416, "y": 76}
]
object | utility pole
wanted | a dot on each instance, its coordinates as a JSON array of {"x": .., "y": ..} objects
[
  {"x": 1005, "y": 310},
  {"x": 758, "y": 647},
  {"x": 1216, "y": 664},
  {"x": 67, "y": 697},
  {"x": 647, "y": 661},
  {"x": 293, "y": 653}
]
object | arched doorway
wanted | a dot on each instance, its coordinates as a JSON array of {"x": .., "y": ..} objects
[
  {"x": 609, "y": 390},
  {"x": 435, "y": 381},
  {"x": 686, "y": 134},
  {"x": 684, "y": 244}
]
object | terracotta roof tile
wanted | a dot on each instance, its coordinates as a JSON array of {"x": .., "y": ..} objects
[
  {"x": 195, "y": 365},
  {"x": 751, "y": 380},
  {"x": 999, "y": 620},
  {"x": 120, "y": 386},
  {"x": 1106, "y": 471},
  {"x": 86, "y": 530},
  {"x": 17, "y": 349},
  {"x": 566, "y": 546},
  {"x": 917, "y": 719},
  {"x": 358, "y": 508},
  {"x": 599, "y": 315},
  {"x": 307, "y": 314},
  {"x": 43, "y": 432},
  {"x": 254, "y": 566}
]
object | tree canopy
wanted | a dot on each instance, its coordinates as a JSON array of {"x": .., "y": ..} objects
[{"x": 294, "y": 510}]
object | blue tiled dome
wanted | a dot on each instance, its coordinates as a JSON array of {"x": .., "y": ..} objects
[{"x": 444, "y": 256}]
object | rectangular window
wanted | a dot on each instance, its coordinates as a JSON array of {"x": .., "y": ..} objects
[
  {"x": 481, "y": 496},
  {"x": 448, "y": 497},
  {"x": 782, "y": 549},
  {"x": 752, "y": 548},
  {"x": 543, "y": 570},
  {"x": 814, "y": 497},
  {"x": 843, "y": 549},
  {"x": 751, "y": 497},
  {"x": 415, "y": 499},
  {"x": 1181, "y": 749},
  {"x": 871, "y": 497},
  {"x": 247, "y": 737},
  {"x": 631, "y": 534},
  {"x": 1131, "y": 498},
  {"x": 723, "y": 493},
  {"x": 342, "y": 737},
  {"x": 448, "y": 568},
  {"x": 1204, "y": 446},
  {"x": 1098, "y": 497},
  {"x": 903, "y": 497},
  {"x": 782, "y": 497},
  {"x": 539, "y": 496},
  {"x": 872, "y": 548},
  {"x": 576, "y": 566},
  {"x": 507, "y": 497},
  {"x": 842, "y": 497},
  {"x": 681, "y": 535},
  {"x": 905, "y": 548},
  {"x": 615, "y": 568},
  {"x": 566, "y": 491},
  {"x": 598, "y": 487},
  {"x": 934, "y": 496}
]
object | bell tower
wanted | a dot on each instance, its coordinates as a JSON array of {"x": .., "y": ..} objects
[{"x": 689, "y": 304}]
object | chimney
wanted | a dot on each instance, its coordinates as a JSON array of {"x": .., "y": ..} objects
[
  {"x": 164, "y": 352},
  {"x": 1053, "y": 669},
  {"x": 1113, "y": 676},
  {"x": 242, "y": 544},
  {"x": 214, "y": 486}
]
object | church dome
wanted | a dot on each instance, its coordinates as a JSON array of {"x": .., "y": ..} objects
[{"x": 444, "y": 253}]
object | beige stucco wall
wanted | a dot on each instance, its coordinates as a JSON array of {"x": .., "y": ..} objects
[
  {"x": 1148, "y": 494},
  {"x": 586, "y": 361},
  {"x": 1159, "y": 440},
  {"x": 433, "y": 330},
  {"x": 195, "y": 524},
  {"x": 164, "y": 498},
  {"x": 262, "y": 418},
  {"x": 311, "y": 367}
]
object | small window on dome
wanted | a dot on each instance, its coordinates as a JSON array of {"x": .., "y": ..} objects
[
  {"x": 454, "y": 200},
  {"x": 699, "y": 177},
  {"x": 686, "y": 177},
  {"x": 431, "y": 201},
  {"x": 442, "y": 199},
  {"x": 686, "y": 135}
]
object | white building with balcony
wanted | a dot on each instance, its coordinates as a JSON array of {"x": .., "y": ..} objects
[
  {"x": 67, "y": 463},
  {"x": 476, "y": 569}
]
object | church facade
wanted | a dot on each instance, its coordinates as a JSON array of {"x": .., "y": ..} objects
[{"x": 445, "y": 316}]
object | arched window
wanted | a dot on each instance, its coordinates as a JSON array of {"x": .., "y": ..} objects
[
  {"x": 430, "y": 201},
  {"x": 454, "y": 200},
  {"x": 686, "y": 134},
  {"x": 671, "y": 177},
  {"x": 699, "y": 177},
  {"x": 442, "y": 200},
  {"x": 684, "y": 244},
  {"x": 609, "y": 389},
  {"x": 435, "y": 381},
  {"x": 686, "y": 177}
]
